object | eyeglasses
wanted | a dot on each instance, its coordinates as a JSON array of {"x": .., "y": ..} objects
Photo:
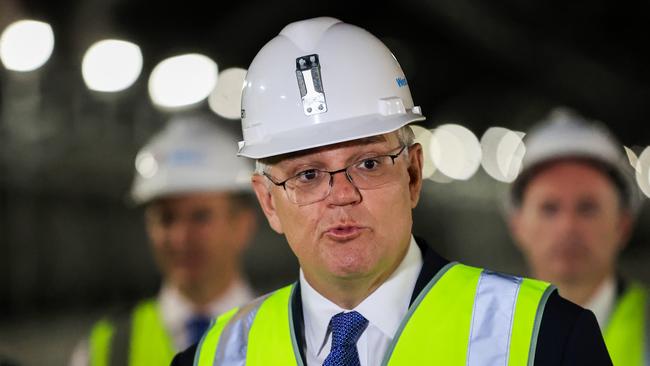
[{"x": 313, "y": 185}]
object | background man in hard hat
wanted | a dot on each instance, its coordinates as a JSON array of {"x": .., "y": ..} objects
[
  {"x": 573, "y": 210},
  {"x": 199, "y": 219},
  {"x": 326, "y": 108}
]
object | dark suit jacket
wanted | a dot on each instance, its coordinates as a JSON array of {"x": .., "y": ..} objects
[{"x": 569, "y": 335}]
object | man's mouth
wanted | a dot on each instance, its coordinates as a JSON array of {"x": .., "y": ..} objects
[{"x": 344, "y": 232}]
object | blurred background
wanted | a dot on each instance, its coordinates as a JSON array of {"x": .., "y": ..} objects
[{"x": 71, "y": 245}]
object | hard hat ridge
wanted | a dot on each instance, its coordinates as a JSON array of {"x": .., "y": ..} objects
[{"x": 307, "y": 33}]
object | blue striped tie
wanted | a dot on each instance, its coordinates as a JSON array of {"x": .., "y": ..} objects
[
  {"x": 196, "y": 326},
  {"x": 346, "y": 330}
]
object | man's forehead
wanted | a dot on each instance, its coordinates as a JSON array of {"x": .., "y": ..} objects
[
  {"x": 582, "y": 166},
  {"x": 365, "y": 141},
  {"x": 579, "y": 163},
  {"x": 190, "y": 197}
]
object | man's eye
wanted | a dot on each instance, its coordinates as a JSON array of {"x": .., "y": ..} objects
[
  {"x": 549, "y": 209},
  {"x": 307, "y": 175},
  {"x": 201, "y": 216},
  {"x": 588, "y": 208},
  {"x": 369, "y": 164}
]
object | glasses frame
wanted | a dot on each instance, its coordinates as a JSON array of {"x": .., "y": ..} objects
[{"x": 333, "y": 172}]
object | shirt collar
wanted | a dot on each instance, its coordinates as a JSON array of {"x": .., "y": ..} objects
[
  {"x": 602, "y": 303},
  {"x": 176, "y": 309},
  {"x": 384, "y": 308}
]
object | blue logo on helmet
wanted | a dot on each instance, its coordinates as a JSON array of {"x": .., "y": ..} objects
[{"x": 401, "y": 82}]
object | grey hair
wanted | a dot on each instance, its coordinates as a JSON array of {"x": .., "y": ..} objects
[{"x": 405, "y": 136}]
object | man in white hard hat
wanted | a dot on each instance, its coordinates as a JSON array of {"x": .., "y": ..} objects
[
  {"x": 199, "y": 217},
  {"x": 325, "y": 112},
  {"x": 573, "y": 210}
]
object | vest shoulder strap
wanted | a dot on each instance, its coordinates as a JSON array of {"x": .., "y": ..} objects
[
  {"x": 471, "y": 316},
  {"x": 626, "y": 334},
  {"x": 109, "y": 340},
  {"x": 150, "y": 343}
]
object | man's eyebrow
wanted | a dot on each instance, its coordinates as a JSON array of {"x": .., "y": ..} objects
[
  {"x": 298, "y": 154},
  {"x": 372, "y": 139}
]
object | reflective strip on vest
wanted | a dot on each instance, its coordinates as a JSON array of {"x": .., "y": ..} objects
[
  {"x": 245, "y": 336},
  {"x": 233, "y": 341},
  {"x": 148, "y": 343},
  {"x": 464, "y": 316},
  {"x": 494, "y": 309},
  {"x": 626, "y": 334}
]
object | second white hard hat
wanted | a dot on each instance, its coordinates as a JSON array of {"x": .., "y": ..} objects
[
  {"x": 191, "y": 154},
  {"x": 320, "y": 82},
  {"x": 565, "y": 134}
]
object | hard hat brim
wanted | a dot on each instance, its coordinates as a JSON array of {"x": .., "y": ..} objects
[{"x": 330, "y": 133}]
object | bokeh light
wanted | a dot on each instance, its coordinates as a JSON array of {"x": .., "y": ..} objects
[
  {"x": 455, "y": 151},
  {"x": 26, "y": 45},
  {"x": 225, "y": 99},
  {"x": 631, "y": 157},
  {"x": 503, "y": 152},
  {"x": 183, "y": 80},
  {"x": 643, "y": 171},
  {"x": 423, "y": 137},
  {"x": 111, "y": 65},
  {"x": 146, "y": 165}
]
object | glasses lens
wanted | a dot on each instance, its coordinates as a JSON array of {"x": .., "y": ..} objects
[
  {"x": 373, "y": 172},
  {"x": 308, "y": 187}
]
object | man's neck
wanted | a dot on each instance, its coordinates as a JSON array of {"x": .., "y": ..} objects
[
  {"x": 347, "y": 293},
  {"x": 204, "y": 294},
  {"x": 582, "y": 292}
]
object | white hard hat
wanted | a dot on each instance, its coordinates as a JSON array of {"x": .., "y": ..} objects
[
  {"x": 564, "y": 135},
  {"x": 320, "y": 82},
  {"x": 191, "y": 154}
]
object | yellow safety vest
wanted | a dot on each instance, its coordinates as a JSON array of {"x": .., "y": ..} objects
[
  {"x": 464, "y": 316},
  {"x": 626, "y": 334},
  {"x": 144, "y": 342}
]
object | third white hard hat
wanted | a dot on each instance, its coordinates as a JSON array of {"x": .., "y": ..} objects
[{"x": 320, "y": 82}]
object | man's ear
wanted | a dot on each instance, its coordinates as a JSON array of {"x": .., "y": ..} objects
[
  {"x": 244, "y": 226},
  {"x": 266, "y": 200},
  {"x": 514, "y": 223},
  {"x": 625, "y": 228},
  {"x": 416, "y": 160}
]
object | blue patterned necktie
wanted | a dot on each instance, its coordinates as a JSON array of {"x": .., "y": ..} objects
[
  {"x": 346, "y": 330},
  {"x": 196, "y": 326}
]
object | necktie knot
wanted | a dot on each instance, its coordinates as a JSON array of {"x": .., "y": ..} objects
[
  {"x": 347, "y": 328},
  {"x": 196, "y": 326}
]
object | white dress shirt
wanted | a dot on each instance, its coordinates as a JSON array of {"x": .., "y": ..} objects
[
  {"x": 176, "y": 310},
  {"x": 603, "y": 301},
  {"x": 384, "y": 308}
]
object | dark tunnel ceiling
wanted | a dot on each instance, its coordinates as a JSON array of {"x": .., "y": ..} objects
[{"x": 588, "y": 54}]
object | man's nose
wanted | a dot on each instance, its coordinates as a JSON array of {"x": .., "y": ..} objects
[
  {"x": 568, "y": 221},
  {"x": 343, "y": 190},
  {"x": 177, "y": 234}
]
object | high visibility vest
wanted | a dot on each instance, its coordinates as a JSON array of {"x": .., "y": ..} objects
[
  {"x": 464, "y": 316},
  {"x": 626, "y": 334},
  {"x": 141, "y": 340}
]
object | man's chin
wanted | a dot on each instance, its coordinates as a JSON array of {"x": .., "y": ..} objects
[
  {"x": 188, "y": 279},
  {"x": 350, "y": 271}
]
